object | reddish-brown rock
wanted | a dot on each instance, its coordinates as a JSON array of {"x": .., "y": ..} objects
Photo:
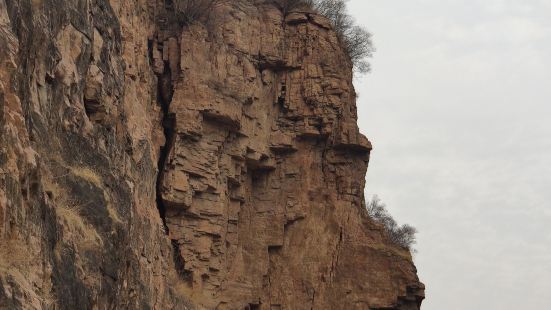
[{"x": 240, "y": 129}]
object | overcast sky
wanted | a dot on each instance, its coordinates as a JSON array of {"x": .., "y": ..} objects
[{"x": 458, "y": 107}]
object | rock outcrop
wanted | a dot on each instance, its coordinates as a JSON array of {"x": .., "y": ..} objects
[{"x": 151, "y": 164}]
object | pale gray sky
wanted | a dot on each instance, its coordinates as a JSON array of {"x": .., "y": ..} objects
[{"x": 458, "y": 107}]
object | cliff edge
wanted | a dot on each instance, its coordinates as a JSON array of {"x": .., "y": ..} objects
[{"x": 150, "y": 164}]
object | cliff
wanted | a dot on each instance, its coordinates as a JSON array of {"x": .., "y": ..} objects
[{"x": 151, "y": 164}]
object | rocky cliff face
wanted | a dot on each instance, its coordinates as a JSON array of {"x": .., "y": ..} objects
[{"x": 149, "y": 164}]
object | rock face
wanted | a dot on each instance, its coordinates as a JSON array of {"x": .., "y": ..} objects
[{"x": 149, "y": 164}]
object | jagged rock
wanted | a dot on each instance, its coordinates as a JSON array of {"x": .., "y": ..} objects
[{"x": 216, "y": 165}]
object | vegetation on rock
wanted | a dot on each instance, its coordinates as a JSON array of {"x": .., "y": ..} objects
[
  {"x": 355, "y": 40},
  {"x": 189, "y": 11},
  {"x": 401, "y": 235}
]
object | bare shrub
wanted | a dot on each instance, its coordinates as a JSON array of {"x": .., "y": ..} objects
[
  {"x": 403, "y": 236},
  {"x": 355, "y": 40},
  {"x": 357, "y": 43},
  {"x": 291, "y": 5},
  {"x": 189, "y": 11}
]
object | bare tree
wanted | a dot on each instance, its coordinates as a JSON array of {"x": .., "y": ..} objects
[
  {"x": 403, "y": 236},
  {"x": 355, "y": 40},
  {"x": 357, "y": 43},
  {"x": 335, "y": 10}
]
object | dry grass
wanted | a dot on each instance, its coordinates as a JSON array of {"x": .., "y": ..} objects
[
  {"x": 113, "y": 214},
  {"x": 50, "y": 186},
  {"x": 68, "y": 211},
  {"x": 94, "y": 178},
  {"x": 88, "y": 175}
]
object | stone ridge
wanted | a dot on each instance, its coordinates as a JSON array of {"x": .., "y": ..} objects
[{"x": 239, "y": 131}]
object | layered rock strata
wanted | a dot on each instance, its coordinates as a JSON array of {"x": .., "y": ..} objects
[{"x": 147, "y": 163}]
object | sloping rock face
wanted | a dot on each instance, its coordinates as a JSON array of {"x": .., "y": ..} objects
[
  {"x": 80, "y": 138},
  {"x": 148, "y": 164}
]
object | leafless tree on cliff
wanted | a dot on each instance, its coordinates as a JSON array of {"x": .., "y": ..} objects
[
  {"x": 403, "y": 236},
  {"x": 355, "y": 40},
  {"x": 358, "y": 45},
  {"x": 192, "y": 10}
]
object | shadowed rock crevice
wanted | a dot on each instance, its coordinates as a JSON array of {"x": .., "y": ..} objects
[
  {"x": 164, "y": 59},
  {"x": 165, "y": 90}
]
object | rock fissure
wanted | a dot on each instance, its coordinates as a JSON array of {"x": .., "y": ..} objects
[{"x": 165, "y": 90}]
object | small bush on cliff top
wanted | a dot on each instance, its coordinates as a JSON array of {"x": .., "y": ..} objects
[
  {"x": 291, "y": 5},
  {"x": 403, "y": 236},
  {"x": 189, "y": 11},
  {"x": 355, "y": 40}
]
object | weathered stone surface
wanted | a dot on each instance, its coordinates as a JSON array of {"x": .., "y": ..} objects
[
  {"x": 240, "y": 129},
  {"x": 272, "y": 180},
  {"x": 79, "y": 146}
]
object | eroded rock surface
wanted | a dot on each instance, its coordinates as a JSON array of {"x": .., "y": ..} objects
[{"x": 149, "y": 164}]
